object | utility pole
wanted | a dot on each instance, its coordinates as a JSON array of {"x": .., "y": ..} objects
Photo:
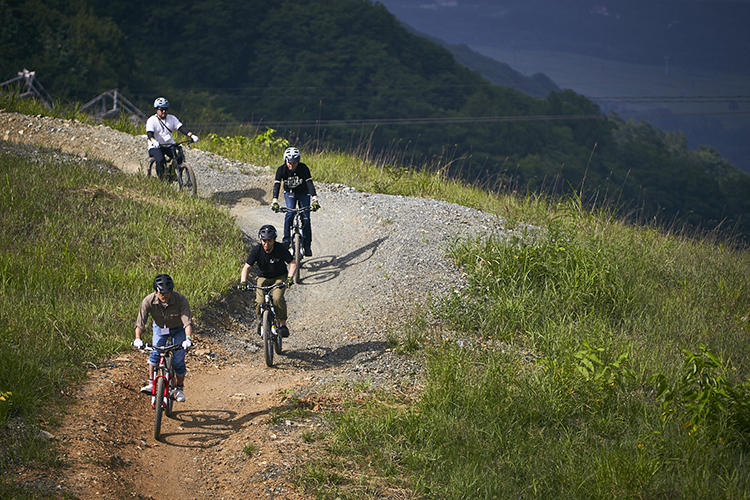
[{"x": 27, "y": 85}]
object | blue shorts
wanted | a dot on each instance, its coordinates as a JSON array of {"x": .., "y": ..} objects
[{"x": 161, "y": 338}]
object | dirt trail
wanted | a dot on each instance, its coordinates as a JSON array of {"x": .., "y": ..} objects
[{"x": 376, "y": 259}]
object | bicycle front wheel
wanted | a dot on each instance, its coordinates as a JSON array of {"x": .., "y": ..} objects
[
  {"x": 267, "y": 340},
  {"x": 158, "y": 407},
  {"x": 151, "y": 171},
  {"x": 297, "y": 256}
]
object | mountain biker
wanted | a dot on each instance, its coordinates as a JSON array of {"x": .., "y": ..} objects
[
  {"x": 159, "y": 128},
  {"x": 171, "y": 317},
  {"x": 272, "y": 260},
  {"x": 298, "y": 188}
]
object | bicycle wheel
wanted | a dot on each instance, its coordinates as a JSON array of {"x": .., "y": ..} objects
[
  {"x": 187, "y": 180},
  {"x": 170, "y": 395},
  {"x": 158, "y": 407},
  {"x": 267, "y": 340},
  {"x": 297, "y": 256},
  {"x": 151, "y": 171},
  {"x": 277, "y": 342}
]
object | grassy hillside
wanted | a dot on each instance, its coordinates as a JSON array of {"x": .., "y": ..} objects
[
  {"x": 78, "y": 251},
  {"x": 587, "y": 358}
]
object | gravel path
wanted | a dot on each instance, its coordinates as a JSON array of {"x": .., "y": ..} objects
[{"x": 377, "y": 260}]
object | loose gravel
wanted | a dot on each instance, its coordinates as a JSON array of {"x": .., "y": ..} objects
[{"x": 379, "y": 259}]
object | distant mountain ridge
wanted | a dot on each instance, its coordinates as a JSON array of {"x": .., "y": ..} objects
[{"x": 345, "y": 72}]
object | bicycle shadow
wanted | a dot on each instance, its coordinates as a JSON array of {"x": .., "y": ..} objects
[
  {"x": 233, "y": 197},
  {"x": 207, "y": 428},
  {"x": 324, "y": 357},
  {"x": 326, "y": 268}
]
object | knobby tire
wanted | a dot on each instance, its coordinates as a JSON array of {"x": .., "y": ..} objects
[
  {"x": 297, "y": 257},
  {"x": 277, "y": 342},
  {"x": 267, "y": 340},
  {"x": 170, "y": 396},
  {"x": 187, "y": 180},
  {"x": 158, "y": 407}
]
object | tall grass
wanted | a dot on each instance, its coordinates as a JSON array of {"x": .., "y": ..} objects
[
  {"x": 590, "y": 359},
  {"x": 78, "y": 251}
]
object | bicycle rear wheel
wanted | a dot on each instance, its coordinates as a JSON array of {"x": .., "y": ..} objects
[
  {"x": 267, "y": 341},
  {"x": 158, "y": 407},
  {"x": 297, "y": 256},
  {"x": 277, "y": 342},
  {"x": 170, "y": 396},
  {"x": 187, "y": 180},
  {"x": 151, "y": 170}
]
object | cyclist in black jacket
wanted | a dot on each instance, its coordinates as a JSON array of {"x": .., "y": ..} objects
[
  {"x": 275, "y": 264},
  {"x": 298, "y": 191}
]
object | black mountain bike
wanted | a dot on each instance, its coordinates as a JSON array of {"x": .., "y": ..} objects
[
  {"x": 165, "y": 384},
  {"x": 268, "y": 326},
  {"x": 296, "y": 244},
  {"x": 181, "y": 174}
]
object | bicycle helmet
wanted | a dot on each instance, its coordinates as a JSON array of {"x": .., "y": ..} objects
[
  {"x": 291, "y": 155},
  {"x": 267, "y": 232},
  {"x": 161, "y": 102},
  {"x": 163, "y": 283}
]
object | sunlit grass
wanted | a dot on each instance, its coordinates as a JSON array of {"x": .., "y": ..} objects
[{"x": 79, "y": 249}]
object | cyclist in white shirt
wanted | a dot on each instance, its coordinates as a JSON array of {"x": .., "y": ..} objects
[{"x": 161, "y": 144}]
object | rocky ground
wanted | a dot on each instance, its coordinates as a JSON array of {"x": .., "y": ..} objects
[{"x": 377, "y": 261}]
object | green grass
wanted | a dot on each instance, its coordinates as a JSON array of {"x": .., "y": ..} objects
[
  {"x": 78, "y": 251},
  {"x": 611, "y": 313},
  {"x": 581, "y": 370}
]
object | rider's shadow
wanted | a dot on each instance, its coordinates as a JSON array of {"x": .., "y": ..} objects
[
  {"x": 207, "y": 428},
  {"x": 326, "y": 268},
  {"x": 325, "y": 357},
  {"x": 233, "y": 197}
]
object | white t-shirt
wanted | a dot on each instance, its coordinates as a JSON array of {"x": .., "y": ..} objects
[{"x": 163, "y": 129}]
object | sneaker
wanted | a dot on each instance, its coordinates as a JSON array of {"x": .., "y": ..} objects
[
  {"x": 179, "y": 396},
  {"x": 308, "y": 252},
  {"x": 284, "y": 331},
  {"x": 148, "y": 388}
]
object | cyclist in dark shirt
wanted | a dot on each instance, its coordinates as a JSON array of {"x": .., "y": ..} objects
[
  {"x": 275, "y": 264},
  {"x": 298, "y": 191}
]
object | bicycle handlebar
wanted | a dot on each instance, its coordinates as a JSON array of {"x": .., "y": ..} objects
[
  {"x": 298, "y": 210},
  {"x": 265, "y": 288},
  {"x": 165, "y": 348}
]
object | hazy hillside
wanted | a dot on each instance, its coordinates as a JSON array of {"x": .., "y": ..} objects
[{"x": 345, "y": 73}]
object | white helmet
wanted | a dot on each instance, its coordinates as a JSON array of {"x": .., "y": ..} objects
[
  {"x": 161, "y": 102},
  {"x": 291, "y": 155}
]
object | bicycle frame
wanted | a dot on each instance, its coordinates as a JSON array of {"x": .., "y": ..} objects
[
  {"x": 164, "y": 371},
  {"x": 271, "y": 339}
]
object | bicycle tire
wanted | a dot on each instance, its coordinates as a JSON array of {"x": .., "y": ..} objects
[
  {"x": 267, "y": 340},
  {"x": 278, "y": 342},
  {"x": 158, "y": 407},
  {"x": 188, "y": 182},
  {"x": 151, "y": 170},
  {"x": 170, "y": 396},
  {"x": 297, "y": 257}
]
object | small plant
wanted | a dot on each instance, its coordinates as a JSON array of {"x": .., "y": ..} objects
[
  {"x": 308, "y": 436},
  {"x": 249, "y": 450},
  {"x": 605, "y": 374}
]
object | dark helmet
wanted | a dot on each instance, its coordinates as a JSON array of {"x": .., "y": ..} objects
[
  {"x": 163, "y": 283},
  {"x": 267, "y": 232}
]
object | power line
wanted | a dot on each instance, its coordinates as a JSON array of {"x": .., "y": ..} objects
[{"x": 441, "y": 120}]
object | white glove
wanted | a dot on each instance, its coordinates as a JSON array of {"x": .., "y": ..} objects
[
  {"x": 187, "y": 343},
  {"x": 153, "y": 143},
  {"x": 194, "y": 138},
  {"x": 314, "y": 198},
  {"x": 138, "y": 344}
]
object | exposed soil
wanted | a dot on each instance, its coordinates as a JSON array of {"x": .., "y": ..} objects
[{"x": 377, "y": 259}]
